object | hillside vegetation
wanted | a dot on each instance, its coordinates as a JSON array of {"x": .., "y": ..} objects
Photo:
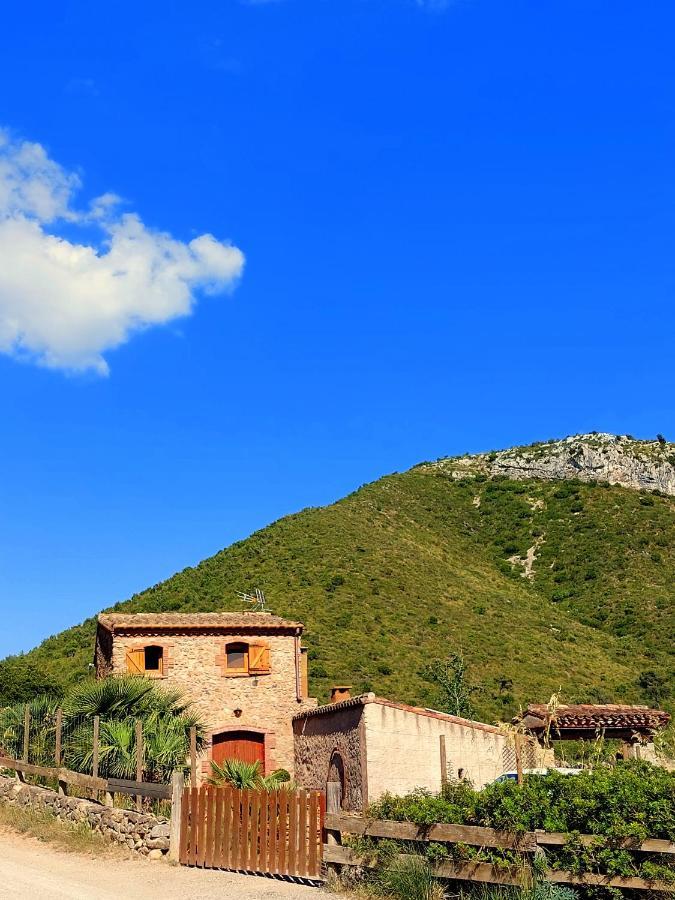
[{"x": 544, "y": 585}]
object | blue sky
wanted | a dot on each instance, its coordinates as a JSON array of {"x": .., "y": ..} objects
[{"x": 457, "y": 224}]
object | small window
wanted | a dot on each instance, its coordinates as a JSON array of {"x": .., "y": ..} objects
[
  {"x": 146, "y": 661},
  {"x": 241, "y": 658},
  {"x": 153, "y": 659},
  {"x": 237, "y": 657}
]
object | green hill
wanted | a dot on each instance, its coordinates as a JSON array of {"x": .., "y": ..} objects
[{"x": 544, "y": 585}]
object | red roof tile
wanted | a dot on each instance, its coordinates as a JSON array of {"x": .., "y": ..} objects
[
  {"x": 235, "y": 621},
  {"x": 593, "y": 717},
  {"x": 363, "y": 699}
]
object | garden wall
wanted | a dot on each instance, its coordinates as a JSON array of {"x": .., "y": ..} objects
[
  {"x": 142, "y": 832},
  {"x": 403, "y": 749}
]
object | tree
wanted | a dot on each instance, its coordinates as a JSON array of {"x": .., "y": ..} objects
[
  {"x": 654, "y": 686},
  {"x": 454, "y": 692},
  {"x": 21, "y": 681}
]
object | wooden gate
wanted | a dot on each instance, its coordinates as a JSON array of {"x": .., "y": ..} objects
[{"x": 276, "y": 832}]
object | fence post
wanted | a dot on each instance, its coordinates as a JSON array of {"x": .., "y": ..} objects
[
  {"x": 193, "y": 756},
  {"x": 519, "y": 759},
  {"x": 444, "y": 762},
  {"x": 177, "y": 786},
  {"x": 26, "y": 732},
  {"x": 58, "y": 726},
  {"x": 94, "y": 751},
  {"x": 58, "y": 751},
  {"x": 26, "y": 735},
  {"x": 139, "y": 761}
]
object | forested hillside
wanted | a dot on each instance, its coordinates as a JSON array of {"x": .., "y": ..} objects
[{"x": 544, "y": 585}]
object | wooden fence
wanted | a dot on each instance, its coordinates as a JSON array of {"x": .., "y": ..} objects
[
  {"x": 93, "y": 782},
  {"x": 276, "y": 832},
  {"x": 110, "y": 786},
  {"x": 526, "y": 843}
]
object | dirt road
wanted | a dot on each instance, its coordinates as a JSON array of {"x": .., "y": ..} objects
[{"x": 31, "y": 870}]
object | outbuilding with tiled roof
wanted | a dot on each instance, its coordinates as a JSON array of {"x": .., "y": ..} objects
[
  {"x": 358, "y": 748},
  {"x": 587, "y": 720}
]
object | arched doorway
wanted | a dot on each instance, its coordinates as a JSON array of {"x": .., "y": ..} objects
[
  {"x": 335, "y": 785},
  {"x": 247, "y": 746}
]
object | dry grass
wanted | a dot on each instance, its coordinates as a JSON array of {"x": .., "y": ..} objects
[{"x": 42, "y": 825}]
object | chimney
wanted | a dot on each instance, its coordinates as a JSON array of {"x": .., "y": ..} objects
[{"x": 340, "y": 692}]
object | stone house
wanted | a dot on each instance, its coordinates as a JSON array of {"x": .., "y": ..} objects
[
  {"x": 245, "y": 674},
  {"x": 359, "y": 748}
]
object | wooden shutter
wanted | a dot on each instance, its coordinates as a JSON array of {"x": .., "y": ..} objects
[
  {"x": 259, "y": 659},
  {"x": 136, "y": 662}
]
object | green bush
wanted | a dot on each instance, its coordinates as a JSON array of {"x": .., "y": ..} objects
[{"x": 633, "y": 800}]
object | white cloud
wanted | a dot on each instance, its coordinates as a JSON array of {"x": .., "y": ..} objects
[{"x": 64, "y": 303}]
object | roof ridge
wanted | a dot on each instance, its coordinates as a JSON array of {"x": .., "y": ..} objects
[
  {"x": 364, "y": 699},
  {"x": 159, "y": 620}
]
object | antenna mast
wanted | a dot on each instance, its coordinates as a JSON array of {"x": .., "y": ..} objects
[{"x": 256, "y": 600}]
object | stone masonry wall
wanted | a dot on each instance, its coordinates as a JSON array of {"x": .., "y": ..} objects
[
  {"x": 317, "y": 738},
  {"x": 142, "y": 832},
  {"x": 267, "y": 703}
]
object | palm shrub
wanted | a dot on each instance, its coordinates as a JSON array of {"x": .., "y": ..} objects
[
  {"x": 248, "y": 776},
  {"x": 120, "y": 702},
  {"x": 122, "y": 696},
  {"x": 42, "y": 729}
]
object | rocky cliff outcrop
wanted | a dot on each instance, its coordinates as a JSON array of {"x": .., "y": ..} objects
[{"x": 616, "y": 459}]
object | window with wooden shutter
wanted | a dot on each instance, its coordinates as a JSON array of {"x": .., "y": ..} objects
[
  {"x": 237, "y": 658},
  {"x": 259, "y": 659},
  {"x": 136, "y": 662}
]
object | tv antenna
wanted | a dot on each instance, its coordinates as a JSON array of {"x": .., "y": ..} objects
[{"x": 256, "y": 600}]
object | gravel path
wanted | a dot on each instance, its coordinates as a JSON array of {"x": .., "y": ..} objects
[{"x": 30, "y": 870}]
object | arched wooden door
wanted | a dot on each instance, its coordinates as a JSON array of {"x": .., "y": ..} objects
[
  {"x": 335, "y": 786},
  {"x": 248, "y": 746}
]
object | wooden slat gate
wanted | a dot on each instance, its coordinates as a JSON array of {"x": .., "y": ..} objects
[{"x": 276, "y": 832}]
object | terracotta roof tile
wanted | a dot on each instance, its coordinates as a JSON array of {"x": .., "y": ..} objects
[
  {"x": 595, "y": 716},
  {"x": 363, "y": 699},
  {"x": 196, "y": 622}
]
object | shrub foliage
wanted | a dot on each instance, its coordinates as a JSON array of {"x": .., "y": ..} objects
[{"x": 632, "y": 800}]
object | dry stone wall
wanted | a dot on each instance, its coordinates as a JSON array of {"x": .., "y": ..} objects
[{"x": 143, "y": 833}]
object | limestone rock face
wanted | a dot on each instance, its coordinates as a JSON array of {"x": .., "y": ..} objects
[{"x": 616, "y": 459}]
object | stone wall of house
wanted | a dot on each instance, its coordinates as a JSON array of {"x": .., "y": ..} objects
[
  {"x": 142, "y": 832},
  {"x": 103, "y": 652},
  {"x": 403, "y": 750},
  {"x": 263, "y": 703},
  {"x": 317, "y": 738}
]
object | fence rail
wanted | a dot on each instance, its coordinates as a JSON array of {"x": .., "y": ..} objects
[
  {"x": 526, "y": 843},
  {"x": 90, "y": 782},
  {"x": 477, "y": 836}
]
